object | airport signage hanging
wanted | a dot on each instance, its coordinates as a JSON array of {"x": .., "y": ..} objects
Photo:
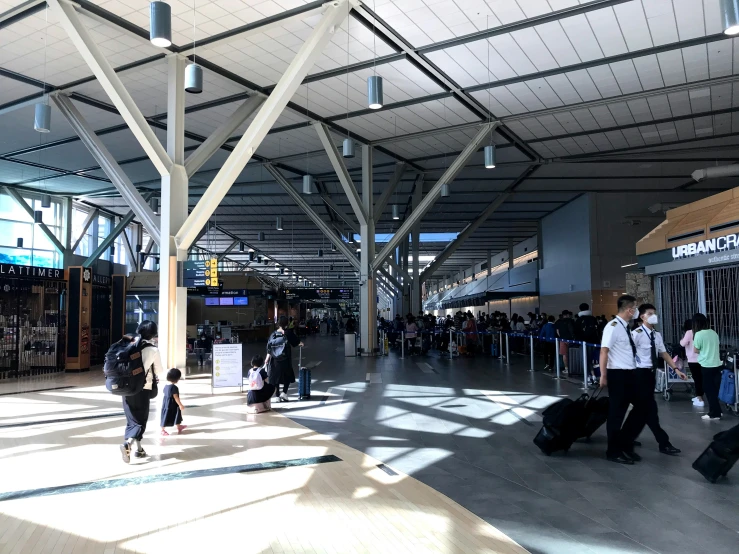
[{"x": 708, "y": 246}]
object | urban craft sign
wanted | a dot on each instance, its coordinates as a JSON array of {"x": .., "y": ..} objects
[
  {"x": 708, "y": 246},
  {"x": 30, "y": 271}
]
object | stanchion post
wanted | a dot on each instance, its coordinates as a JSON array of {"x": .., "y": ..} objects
[
  {"x": 556, "y": 355},
  {"x": 500, "y": 344},
  {"x": 402, "y": 345},
  {"x": 584, "y": 365},
  {"x": 531, "y": 348},
  {"x": 507, "y": 351},
  {"x": 451, "y": 352}
]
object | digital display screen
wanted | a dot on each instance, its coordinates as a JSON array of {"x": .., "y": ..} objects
[
  {"x": 241, "y": 301},
  {"x": 227, "y": 301},
  {"x": 211, "y": 301},
  {"x": 319, "y": 294}
]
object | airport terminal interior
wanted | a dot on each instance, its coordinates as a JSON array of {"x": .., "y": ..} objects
[{"x": 369, "y": 276}]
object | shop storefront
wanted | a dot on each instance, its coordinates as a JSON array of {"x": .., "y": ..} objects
[
  {"x": 693, "y": 257},
  {"x": 33, "y": 319}
]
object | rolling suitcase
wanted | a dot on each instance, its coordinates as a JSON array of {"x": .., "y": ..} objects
[
  {"x": 596, "y": 413},
  {"x": 720, "y": 456},
  {"x": 574, "y": 360},
  {"x": 563, "y": 423},
  {"x": 304, "y": 379},
  {"x": 550, "y": 442}
]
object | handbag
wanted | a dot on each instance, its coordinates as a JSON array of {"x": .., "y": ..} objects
[{"x": 154, "y": 387}]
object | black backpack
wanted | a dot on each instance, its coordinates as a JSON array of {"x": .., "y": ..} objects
[
  {"x": 277, "y": 346},
  {"x": 588, "y": 329},
  {"x": 124, "y": 366}
]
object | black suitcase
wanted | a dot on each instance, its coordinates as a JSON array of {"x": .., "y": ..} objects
[
  {"x": 550, "y": 441},
  {"x": 720, "y": 456},
  {"x": 596, "y": 414},
  {"x": 574, "y": 360},
  {"x": 304, "y": 379}
]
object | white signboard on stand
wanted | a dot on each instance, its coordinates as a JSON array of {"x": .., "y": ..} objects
[{"x": 227, "y": 366}]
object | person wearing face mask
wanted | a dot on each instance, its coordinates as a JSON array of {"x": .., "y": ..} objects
[
  {"x": 649, "y": 348},
  {"x": 617, "y": 372}
]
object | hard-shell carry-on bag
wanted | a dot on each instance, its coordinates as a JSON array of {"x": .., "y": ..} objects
[
  {"x": 303, "y": 379},
  {"x": 720, "y": 456}
]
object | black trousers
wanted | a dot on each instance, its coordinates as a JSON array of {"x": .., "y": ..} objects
[
  {"x": 549, "y": 354},
  {"x": 712, "y": 384},
  {"x": 645, "y": 412},
  {"x": 136, "y": 408},
  {"x": 697, "y": 372},
  {"x": 622, "y": 391}
]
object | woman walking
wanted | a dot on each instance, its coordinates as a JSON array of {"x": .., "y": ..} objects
[
  {"x": 695, "y": 367},
  {"x": 279, "y": 357},
  {"x": 706, "y": 345},
  {"x": 136, "y": 407}
]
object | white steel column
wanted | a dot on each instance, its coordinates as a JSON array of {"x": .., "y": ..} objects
[
  {"x": 174, "y": 200},
  {"x": 415, "y": 252},
  {"x": 288, "y": 84},
  {"x": 367, "y": 285}
]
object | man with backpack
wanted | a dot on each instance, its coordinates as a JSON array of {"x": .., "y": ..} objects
[{"x": 587, "y": 329}]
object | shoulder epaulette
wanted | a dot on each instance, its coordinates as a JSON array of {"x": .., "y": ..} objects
[
  {"x": 614, "y": 323},
  {"x": 640, "y": 330}
]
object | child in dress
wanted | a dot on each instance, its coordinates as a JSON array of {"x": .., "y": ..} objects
[{"x": 172, "y": 406}]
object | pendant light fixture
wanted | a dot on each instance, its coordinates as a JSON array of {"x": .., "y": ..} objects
[
  {"x": 112, "y": 250},
  {"x": 282, "y": 271},
  {"x": 350, "y": 238},
  {"x": 45, "y": 201},
  {"x": 490, "y": 148},
  {"x": 194, "y": 79},
  {"x": 396, "y": 212},
  {"x": 252, "y": 255},
  {"x": 42, "y": 110},
  {"x": 307, "y": 184},
  {"x": 333, "y": 247},
  {"x": 160, "y": 24},
  {"x": 193, "y": 72},
  {"x": 154, "y": 204},
  {"x": 42, "y": 118},
  {"x": 445, "y": 190},
  {"x": 38, "y": 216},
  {"x": 320, "y": 252},
  {"x": 348, "y": 147},
  {"x": 19, "y": 242},
  {"x": 259, "y": 259},
  {"x": 241, "y": 247},
  {"x": 374, "y": 82},
  {"x": 730, "y": 16},
  {"x": 260, "y": 236},
  {"x": 279, "y": 223}
]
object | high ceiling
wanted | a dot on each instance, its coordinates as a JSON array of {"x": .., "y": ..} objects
[{"x": 606, "y": 96}]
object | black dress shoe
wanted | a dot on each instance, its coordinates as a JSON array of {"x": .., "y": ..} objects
[
  {"x": 621, "y": 459},
  {"x": 669, "y": 450},
  {"x": 637, "y": 443},
  {"x": 633, "y": 456}
]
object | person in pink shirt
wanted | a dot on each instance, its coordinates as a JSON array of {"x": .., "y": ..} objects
[{"x": 695, "y": 367}]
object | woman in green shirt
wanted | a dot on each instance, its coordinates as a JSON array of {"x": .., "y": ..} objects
[{"x": 705, "y": 344}]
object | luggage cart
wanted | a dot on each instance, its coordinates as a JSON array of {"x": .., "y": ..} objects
[{"x": 666, "y": 377}]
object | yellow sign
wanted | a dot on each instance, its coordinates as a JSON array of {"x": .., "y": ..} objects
[{"x": 213, "y": 263}]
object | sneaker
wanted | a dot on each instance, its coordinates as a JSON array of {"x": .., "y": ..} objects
[
  {"x": 283, "y": 397},
  {"x": 547, "y": 368},
  {"x": 709, "y": 418},
  {"x": 698, "y": 402},
  {"x": 126, "y": 452},
  {"x": 140, "y": 454}
]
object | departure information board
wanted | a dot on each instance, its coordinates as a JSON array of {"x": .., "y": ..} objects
[{"x": 319, "y": 294}]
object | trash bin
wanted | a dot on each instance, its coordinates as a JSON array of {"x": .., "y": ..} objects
[{"x": 350, "y": 345}]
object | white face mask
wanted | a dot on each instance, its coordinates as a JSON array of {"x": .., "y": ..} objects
[
  {"x": 653, "y": 319},
  {"x": 636, "y": 315}
]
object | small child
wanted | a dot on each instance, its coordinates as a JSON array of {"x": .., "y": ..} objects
[
  {"x": 258, "y": 395},
  {"x": 172, "y": 407}
]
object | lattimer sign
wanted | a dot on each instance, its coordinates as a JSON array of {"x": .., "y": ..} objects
[{"x": 708, "y": 246}]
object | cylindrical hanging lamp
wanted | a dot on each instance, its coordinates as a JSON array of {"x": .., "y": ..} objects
[
  {"x": 139, "y": 248},
  {"x": 331, "y": 268},
  {"x": 260, "y": 236},
  {"x": 252, "y": 255},
  {"x": 45, "y": 201},
  {"x": 38, "y": 216},
  {"x": 348, "y": 148},
  {"x": 320, "y": 252},
  {"x": 490, "y": 156},
  {"x": 112, "y": 251},
  {"x": 154, "y": 204},
  {"x": 266, "y": 261},
  {"x": 307, "y": 184},
  {"x": 241, "y": 247},
  {"x": 374, "y": 92},
  {"x": 42, "y": 118},
  {"x": 306, "y": 283},
  {"x": 282, "y": 271},
  {"x": 730, "y": 16},
  {"x": 194, "y": 79},
  {"x": 333, "y": 247},
  {"x": 350, "y": 238},
  {"x": 279, "y": 223},
  {"x": 396, "y": 212},
  {"x": 160, "y": 24},
  {"x": 259, "y": 259},
  {"x": 445, "y": 190},
  {"x": 19, "y": 242}
]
